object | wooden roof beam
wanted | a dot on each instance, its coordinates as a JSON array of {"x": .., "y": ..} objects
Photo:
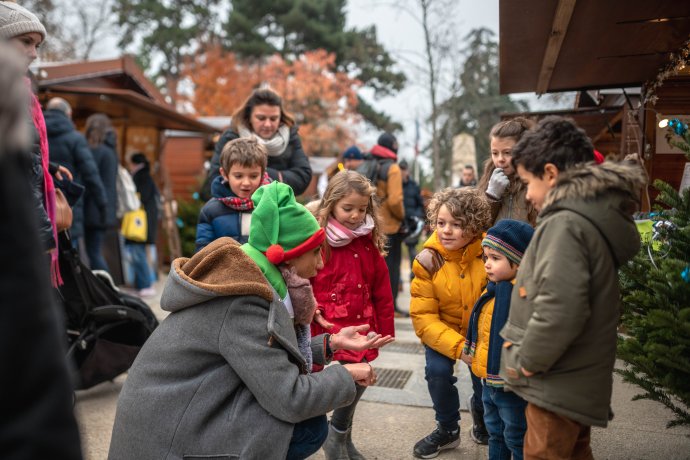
[{"x": 561, "y": 21}]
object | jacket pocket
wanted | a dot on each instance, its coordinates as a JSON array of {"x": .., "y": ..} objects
[
  {"x": 337, "y": 304},
  {"x": 510, "y": 365}
]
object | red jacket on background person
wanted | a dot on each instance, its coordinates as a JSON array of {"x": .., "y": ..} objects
[{"x": 352, "y": 289}]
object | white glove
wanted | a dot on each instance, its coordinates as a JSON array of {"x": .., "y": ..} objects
[{"x": 498, "y": 183}]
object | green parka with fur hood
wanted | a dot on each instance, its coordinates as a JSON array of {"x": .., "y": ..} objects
[{"x": 566, "y": 303}]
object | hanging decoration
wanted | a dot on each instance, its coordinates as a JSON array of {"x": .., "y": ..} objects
[{"x": 677, "y": 62}]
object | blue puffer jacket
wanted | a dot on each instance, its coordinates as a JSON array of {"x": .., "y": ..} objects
[
  {"x": 68, "y": 148},
  {"x": 106, "y": 160},
  {"x": 216, "y": 219}
]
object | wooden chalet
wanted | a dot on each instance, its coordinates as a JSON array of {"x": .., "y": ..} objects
[
  {"x": 611, "y": 52},
  {"x": 142, "y": 118}
]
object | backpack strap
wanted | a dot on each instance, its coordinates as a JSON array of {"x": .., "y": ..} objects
[{"x": 431, "y": 260}]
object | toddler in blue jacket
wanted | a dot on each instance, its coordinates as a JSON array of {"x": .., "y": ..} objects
[{"x": 228, "y": 213}]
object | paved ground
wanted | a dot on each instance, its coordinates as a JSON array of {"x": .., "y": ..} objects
[{"x": 389, "y": 421}]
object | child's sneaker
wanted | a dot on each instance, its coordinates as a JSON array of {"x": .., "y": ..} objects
[
  {"x": 478, "y": 432},
  {"x": 438, "y": 440},
  {"x": 147, "y": 292}
]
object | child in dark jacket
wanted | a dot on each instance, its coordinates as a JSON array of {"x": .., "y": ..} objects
[
  {"x": 504, "y": 411},
  {"x": 228, "y": 213}
]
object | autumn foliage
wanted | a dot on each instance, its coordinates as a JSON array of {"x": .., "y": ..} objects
[{"x": 323, "y": 101}]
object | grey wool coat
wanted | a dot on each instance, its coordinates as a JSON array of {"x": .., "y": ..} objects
[
  {"x": 220, "y": 377},
  {"x": 565, "y": 306}
]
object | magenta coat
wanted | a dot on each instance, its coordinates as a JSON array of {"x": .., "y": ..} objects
[{"x": 353, "y": 288}]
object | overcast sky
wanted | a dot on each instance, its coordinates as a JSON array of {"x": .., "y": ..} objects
[{"x": 403, "y": 37}]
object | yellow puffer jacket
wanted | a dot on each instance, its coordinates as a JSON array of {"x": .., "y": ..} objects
[
  {"x": 480, "y": 360},
  {"x": 442, "y": 300},
  {"x": 481, "y": 351}
]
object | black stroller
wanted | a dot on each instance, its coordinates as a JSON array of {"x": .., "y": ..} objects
[{"x": 106, "y": 328}]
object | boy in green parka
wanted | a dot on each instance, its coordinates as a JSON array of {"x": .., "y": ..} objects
[{"x": 560, "y": 337}]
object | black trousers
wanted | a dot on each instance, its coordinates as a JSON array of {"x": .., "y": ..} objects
[{"x": 393, "y": 259}]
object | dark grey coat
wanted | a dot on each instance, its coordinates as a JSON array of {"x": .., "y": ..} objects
[{"x": 220, "y": 377}]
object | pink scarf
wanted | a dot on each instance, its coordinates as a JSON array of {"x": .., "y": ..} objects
[
  {"x": 339, "y": 235},
  {"x": 48, "y": 186}
]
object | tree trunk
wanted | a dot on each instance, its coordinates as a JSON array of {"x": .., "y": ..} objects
[{"x": 439, "y": 178}]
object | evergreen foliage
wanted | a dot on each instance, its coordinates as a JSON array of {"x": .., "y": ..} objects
[
  {"x": 187, "y": 218},
  {"x": 260, "y": 28},
  {"x": 656, "y": 306}
]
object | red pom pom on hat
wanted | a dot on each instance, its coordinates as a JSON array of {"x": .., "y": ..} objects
[{"x": 275, "y": 254}]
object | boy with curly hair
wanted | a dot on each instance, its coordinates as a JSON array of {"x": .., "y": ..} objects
[
  {"x": 560, "y": 337},
  {"x": 449, "y": 277}
]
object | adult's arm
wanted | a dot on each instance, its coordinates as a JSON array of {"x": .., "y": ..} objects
[
  {"x": 298, "y": 173},
  {"x": 557, "y": 319},
  {"x": 204, "y": 230},
  {"x": 268, "y": 374},
  {"x": 37, "y": 419},
  {"x": 88, "y": 171}
]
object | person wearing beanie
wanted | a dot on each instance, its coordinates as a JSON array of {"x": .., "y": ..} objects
[
  {"x": 22, "y": 29},
  {"x": 389, "y": 189},
  {"x": 37, "y": 418},
  {"x": 504, "y": 411},
  {"x": 224, "y": 375}
]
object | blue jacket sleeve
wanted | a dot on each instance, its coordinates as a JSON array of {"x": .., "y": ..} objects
[
  {"x": 204, "y": 231},
  {"x": 88, "y": 170}
]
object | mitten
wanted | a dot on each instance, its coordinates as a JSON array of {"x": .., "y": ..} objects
[{"x": 498, "y": 183}]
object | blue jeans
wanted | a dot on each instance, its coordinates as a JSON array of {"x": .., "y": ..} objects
[
  {"x": 438, "y": 373},
  {"x": 142, "y": 271},
  {"x": 307, "y": 438},
  {"x": 93, "y": 239},
  {"x": 504, "y": 416}
]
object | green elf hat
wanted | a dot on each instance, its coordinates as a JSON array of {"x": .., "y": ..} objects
[{"x": 281, "y": 228}]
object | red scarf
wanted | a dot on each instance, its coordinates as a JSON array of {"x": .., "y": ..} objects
[
  {"x": 48, "y": 186},
  {"x": 243, "y": 204}
]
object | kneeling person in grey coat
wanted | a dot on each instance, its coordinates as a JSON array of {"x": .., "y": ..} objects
[{"x": 224, "y": 375}]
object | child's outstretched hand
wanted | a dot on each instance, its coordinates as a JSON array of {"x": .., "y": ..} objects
[
  {"x": 321, "y": 321},
  {"x": 349, "y": 338}
]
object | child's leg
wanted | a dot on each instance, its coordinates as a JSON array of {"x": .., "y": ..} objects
[
  {"x": 511, "y": 409},
  {"x": 550, "y": 435},
  {"x": 439, "y": 371},
  {"x": 494, "y": 425},
  {"x": 341, "y": 419}
]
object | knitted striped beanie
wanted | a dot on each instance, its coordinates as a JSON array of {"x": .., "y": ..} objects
[{"x": 510, "y": 238}]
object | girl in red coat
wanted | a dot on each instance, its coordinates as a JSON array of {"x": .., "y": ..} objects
[{"x": 353, "y": 287}]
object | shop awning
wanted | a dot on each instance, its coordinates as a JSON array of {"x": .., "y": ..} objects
[{"x": 563, "y": 45}]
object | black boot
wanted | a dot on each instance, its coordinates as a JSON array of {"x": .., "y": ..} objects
[
  {"x": 478, "y": 432},
  {"x": 335, "y": 446}
]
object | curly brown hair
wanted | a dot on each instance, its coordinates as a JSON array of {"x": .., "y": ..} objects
[
  {"x": 467, "y": 205},
  {"x": 340, "y": 186}
]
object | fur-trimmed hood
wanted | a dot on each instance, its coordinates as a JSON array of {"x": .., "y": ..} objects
[
  {"x": 615, "y": 187},
  {"x": 219, "y": 269}
]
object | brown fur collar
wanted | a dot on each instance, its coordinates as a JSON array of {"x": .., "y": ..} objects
[
  {"x": 592, "y": 180},
  {"x": 223, "y": 268}
]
